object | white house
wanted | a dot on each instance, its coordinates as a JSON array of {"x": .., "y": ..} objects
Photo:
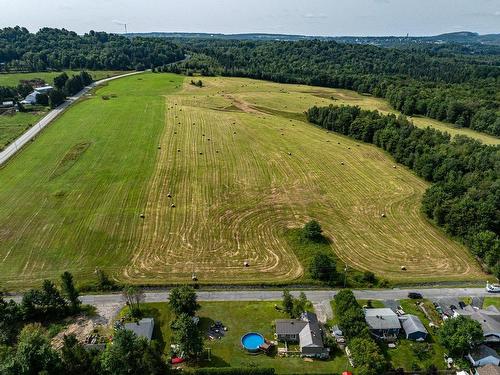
[{"x": 31, "y": 98}]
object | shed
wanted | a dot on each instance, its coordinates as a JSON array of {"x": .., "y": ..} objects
[
  {"x": 483, "y": 355},
  {"x": 142, "y": 328},
  {"x": 413, "y": 327}
]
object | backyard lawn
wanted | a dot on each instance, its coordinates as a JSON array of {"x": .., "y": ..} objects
[
  {"x": 240, "y": 318},
  {"x": 491, "y": 301}
]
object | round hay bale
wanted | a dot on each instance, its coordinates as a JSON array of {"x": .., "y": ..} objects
[
  {"x": 216, "y": 151},
  {"x": 383, "y": 215},
  {"x": 348, "y": 148},
  {"x": 172, "y": 205},
  {"x": 290, "y": 153},
  {"x": 403, "y": 268},
  {"x": 246, "y": 264},
  {"x": 142, "y": 216},
  {"x": 203, "y": 135},
  {"x": 175, "y": 132},
  {"x": 338, "y": 143},
  {"x": 169, "y": 195},
  {"x": 159, "y": 147},
  {"x": 234, "y": 132},
  {"x": 201, "y": 153},
  {"x": 178, "y": 150},
  {"x": 193, "y": 277},
  {"x": 208, "y": 139},
  {"x": 394, "y": 166},
  {"x": 342, "y": 163},
  {"x": 282, "y": 134}
]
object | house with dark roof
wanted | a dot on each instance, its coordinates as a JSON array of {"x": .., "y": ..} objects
[
  {"x": 488, "y": 318},
  {"x": 383, "y": 323},
  {"x": 483, "y": 355},
  {"x": 488, "y": 370},
  {"x": 306, "y": 331},
  {"x": 413, "y": 327},
  {"x": 142, "y": 328}
]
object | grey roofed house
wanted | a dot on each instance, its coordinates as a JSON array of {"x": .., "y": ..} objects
[
  {"x": 488, "y": 370},
  {"x": 383, "y": 322},
  {"x": 306, "y": 331},
  {"x": 142, "y": 328},
  {"x": 488, "y": 318},
  {"x": 483, "y": 355},
  {"x": 413, "y": 327}
]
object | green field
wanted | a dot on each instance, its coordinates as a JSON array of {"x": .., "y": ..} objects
[
  {"x": 11, "y": 126},
  {"x": 241, "y": 167},
  {"x": 12, "y": 79}
]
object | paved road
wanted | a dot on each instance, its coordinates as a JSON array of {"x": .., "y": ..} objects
[
  {"x": 315, "y": 296},
  {"x": 15, "y": 146}
]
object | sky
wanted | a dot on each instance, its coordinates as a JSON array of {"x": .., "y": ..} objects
[{"x": 306, "y": 17}]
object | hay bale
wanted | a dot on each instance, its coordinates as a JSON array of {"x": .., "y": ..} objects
[
  {"x": 208, "y": 139},
  {"x": 142, "y": 216},
  {"x": 403, "y": 268},
  {"x": 216, "y": 151},
  {"x": 383, "y": 215},
  {"x": 338, "y": 143},
  {"x": 193, "y": 277},
  {"x": 394, "y": 166},
  {"x": 159, "y": 147},
  {"x": 246, "y": 264},
  {"x": 342, "y": 163},
  {"x": 201, "y": 153},
  {"x": 172, "y": 205},
  {"x": 178, "y": 150},
  {"x": 169, "y": 195},
  {"x": 290, "y": 153},
  {"x": 234, "y": 132}
]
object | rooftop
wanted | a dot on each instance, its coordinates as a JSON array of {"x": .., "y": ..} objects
[
  {"x": 142, "y": 328},
  {"x": 488, "y": 370},
  {"x": 383, "y": 318},
  {"x": 483, "y": 351},
  {"x": 411, "y": 324}
]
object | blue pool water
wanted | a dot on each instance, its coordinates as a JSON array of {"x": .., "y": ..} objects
[{"x": 251, "y": 341}]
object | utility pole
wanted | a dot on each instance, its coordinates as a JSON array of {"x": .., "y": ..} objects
[{"x": 345, "y": 275}]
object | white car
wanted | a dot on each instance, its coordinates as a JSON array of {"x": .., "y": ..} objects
[{"x": 492, "y": 288}]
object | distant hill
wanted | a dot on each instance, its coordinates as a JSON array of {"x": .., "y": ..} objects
[{"x": 461, "y": 37}]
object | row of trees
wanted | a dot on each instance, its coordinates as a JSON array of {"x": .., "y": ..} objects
[
  {"x": 366, "y": 354},
  {"x": 57, "y": 49},
  {"x": 464, "y": 198},
  {"x": 450, "y": 86},
  {"x": 47, "y": 304}
]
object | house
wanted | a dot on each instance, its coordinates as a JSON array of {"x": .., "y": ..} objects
[
  {"x": 31, "y": 98},
  {"x": 413, "y": 327},
  {"x": 483, "y": 355},
  {"x": 383, "y": 323},
  {"x": 306, "y": 331},
  {"x": 488, "y": 370},
  {"x": 142, "y": 328},
  {"x": 488, "y": 318}
]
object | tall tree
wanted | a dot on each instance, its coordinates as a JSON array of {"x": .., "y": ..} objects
[
  {"x": 188, "y": 336},
  {"x": 183, "y": 300},
  {"x": 70, "y": 291},
  {"x": 460, "y": 335}
]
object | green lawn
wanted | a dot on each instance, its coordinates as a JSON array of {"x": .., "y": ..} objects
[
  {"x": 375, "y": 303},
  {"x": 12, "y": 79},
  {"x": 11, "y": 126},
  {"x": 492, "y": 301},
  {"x": 406, "y": 354},
  {"x": 240, "y": 318}
]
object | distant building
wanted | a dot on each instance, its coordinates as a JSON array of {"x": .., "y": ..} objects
[
  {"x": 488, "y": 370},
  {"x": 31, "y": 98},
  {"x": 413, "y": 327},
  {"x": 142, "y": 328},
  {"x": 383, "y": 323},
  {"x": 483, "y": 355},
  {"x": 306, "y": 331}
]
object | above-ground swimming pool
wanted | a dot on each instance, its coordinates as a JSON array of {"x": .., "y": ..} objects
[{"x": 252, "y": 341}]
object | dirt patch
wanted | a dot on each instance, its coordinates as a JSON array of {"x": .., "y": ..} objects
[{"x": 242, "y": 105}]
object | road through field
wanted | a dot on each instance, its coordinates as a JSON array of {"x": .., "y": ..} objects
[{"x": 27, "y": 136}]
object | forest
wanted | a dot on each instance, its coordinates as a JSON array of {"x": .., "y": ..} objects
[
  {"x": 443, "y": 84},
  {"x": 464, "y": 197},
  {"x": 57, "y": 49}
]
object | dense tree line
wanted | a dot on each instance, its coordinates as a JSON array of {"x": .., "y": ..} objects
[
  {"x": 56, "y": 49},
  {"x": 451, "y": 87},
  {"x": 464, "y": 198}
]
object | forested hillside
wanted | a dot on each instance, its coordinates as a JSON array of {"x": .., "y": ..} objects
[
  {"x": 448, "y": 86},
  {"x": 465, "y": 196},
  {"x": 56, "y": 49}
]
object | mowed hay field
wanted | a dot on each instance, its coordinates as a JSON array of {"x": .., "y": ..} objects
[{"x": 241, "y": 167}]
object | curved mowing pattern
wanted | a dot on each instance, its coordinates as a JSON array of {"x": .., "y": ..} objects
[
  {"x": 252, "y": 341},
  {"x": 262, "y": 171}
]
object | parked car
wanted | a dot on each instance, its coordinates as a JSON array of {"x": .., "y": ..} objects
[{"x": 414, "y": 295}]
